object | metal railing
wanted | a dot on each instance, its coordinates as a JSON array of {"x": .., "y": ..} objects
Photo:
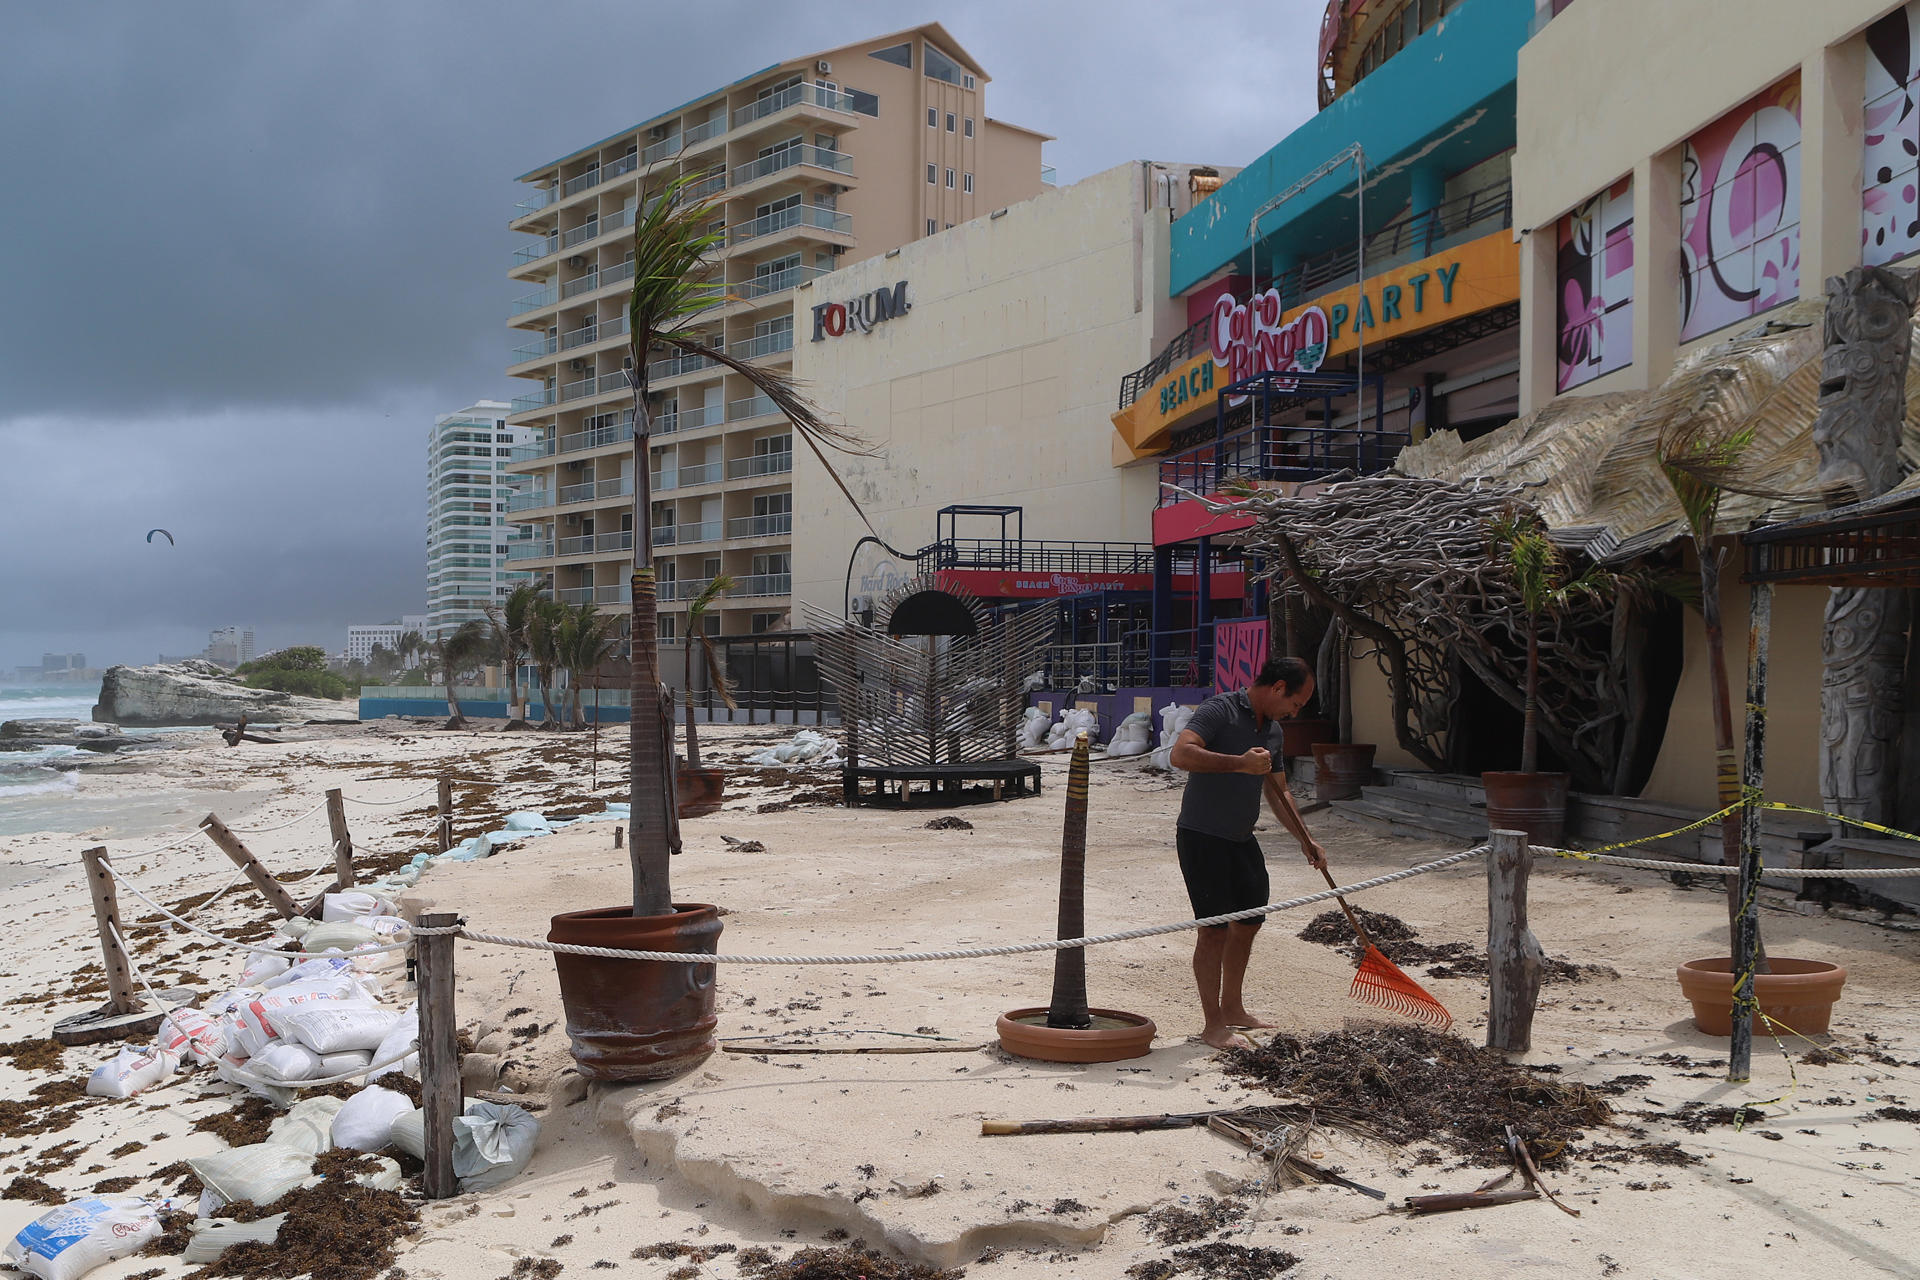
[
  {"x": 802, "y": 215},
  {"x": 707, "y": 186},
  {"x": 598, "y": 227},
  {"x": 760, "y": 464},
  {"x": 533, "y": 301},
  {"x": 532, "y": 500},
  {"x": 700, "y": 473},
  {"x": 536, "y": 251},
  {"x": 683, "y": 590},
  {"x": 534, "y": 350},
  {"x": 529, "y": 550},
  {"x": 1027, "y": 556},
  {"x": 1279, "y": 453},
  {"x": 764, "y": 584},
  {"x": 768, "y": 526},
  {"x": 595, "y": 386},
  {"x": 788, "y": 157},
  {"x": 588, "y": 544},
  {"x": 674, "y": 366},
  {"x": 540, "y": 199},
  {"x": 613, "y": 593},
  {"x": 538, "y": 400},
  {"x": 599, "y": 278},
  {"x": 1407, "y": 238},
  {"x": 764, "y": 345},
  {"x": 598, "y": 331},
  {"x": 751, "y": 407},
  {"x": 773, "y": 282},
  {"x": 794, "y": 95},
  {"x": 686, "y": 419},
  {"x": 654, "y": 153},
  {"x": 681, "y": 535},
  {"x": 700, "y": 133}
]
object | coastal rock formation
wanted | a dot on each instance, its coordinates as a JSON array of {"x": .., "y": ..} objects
[
  {"x": 30, "y": 735},
  {"x": 198, "y": 692}
]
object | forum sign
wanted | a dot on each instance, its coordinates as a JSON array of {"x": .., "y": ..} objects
[{"x": 833, "y": 319}]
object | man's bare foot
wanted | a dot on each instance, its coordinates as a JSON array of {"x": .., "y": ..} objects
[
  {"x": 1240, "y": 1018},
  {"x": 1221, "y": 1037}
]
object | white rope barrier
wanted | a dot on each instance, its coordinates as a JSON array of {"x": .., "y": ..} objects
[
  {"x": 185, "y": 923},
  {"x": 402, "y": 800},
  {"x": 279, "y": 826},
  {"x": 1721, "y": 869}
]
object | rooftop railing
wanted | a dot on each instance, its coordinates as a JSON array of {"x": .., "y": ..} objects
[{"x": 788, "y": 157}]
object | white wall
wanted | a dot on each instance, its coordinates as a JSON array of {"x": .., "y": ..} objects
[{"x": 998, "y": 385}]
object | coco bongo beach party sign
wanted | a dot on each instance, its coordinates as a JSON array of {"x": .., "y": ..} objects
[{"x": 1248, "y": 338}]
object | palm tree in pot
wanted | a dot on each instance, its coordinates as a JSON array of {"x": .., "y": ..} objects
[
  {"x": 1528, "y": 800},
  {"x": 649, "y": 1020}
]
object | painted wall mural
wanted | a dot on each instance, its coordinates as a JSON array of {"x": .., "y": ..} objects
[
  {"x": 1889, "y": 209},
  {"x": 1594, "y": 326},
  {"x": 1239, "y": 651},
  {"x": 1740, "y": 213}
]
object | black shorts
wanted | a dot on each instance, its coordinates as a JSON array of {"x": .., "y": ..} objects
[{"x": 1222, "y": 875}]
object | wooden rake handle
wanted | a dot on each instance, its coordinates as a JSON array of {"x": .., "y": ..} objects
[{"x": 1352, "y": 919}]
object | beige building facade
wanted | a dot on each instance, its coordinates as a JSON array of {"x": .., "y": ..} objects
[
  {"x": 815, "y": 164},
  {"x": 994, "y": 386}
]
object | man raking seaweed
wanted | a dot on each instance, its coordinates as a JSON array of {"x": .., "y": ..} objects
[{"x": 1228, "y": 751}]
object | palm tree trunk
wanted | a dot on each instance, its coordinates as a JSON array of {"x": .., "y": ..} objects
[
  {"x": 514, "y": 710},
  {"x": 1530, "y": 721},
  {"x": 453, "y": 703},
  {"x": 693, "y": 734},
  {"x": 1726, "y": 768},
  {"x": 1068, "y": 1006},
  {"x": 648, "y": 781}
]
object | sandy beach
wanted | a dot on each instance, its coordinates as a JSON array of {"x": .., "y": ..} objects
[{"x": 783, "y": 1152}]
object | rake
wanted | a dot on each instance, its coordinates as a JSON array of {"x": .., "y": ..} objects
[{"x": 1382, "y": 983}]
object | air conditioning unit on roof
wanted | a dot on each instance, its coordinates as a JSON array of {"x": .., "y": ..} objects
[{"x": 823, "y": 66}]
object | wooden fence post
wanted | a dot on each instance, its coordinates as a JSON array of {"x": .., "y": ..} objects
[
  {"x": 439, "y": 1053},
  {"x": 445, "y": 805},
  {"x": 272, "y": 890},
  {"x": 342, "y": 841},
  {"x": 1747, "y": 953},
  {"x": 1514, "y": 958},
  {"x": 106, "y": 915}
]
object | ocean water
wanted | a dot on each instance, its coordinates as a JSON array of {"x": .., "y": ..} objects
[{"x": 43, "y": 790}]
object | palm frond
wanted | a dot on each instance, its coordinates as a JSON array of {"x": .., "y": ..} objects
[
  {"x": 717, "y": 679},
  {"x": 718, "y": 585}
]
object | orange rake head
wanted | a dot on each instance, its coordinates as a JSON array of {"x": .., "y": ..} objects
[{"x": 1382, "y": 983}]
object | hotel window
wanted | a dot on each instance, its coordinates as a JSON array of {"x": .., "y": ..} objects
[
  {"x": 931, "y": 228},
  {"x": 867, "y": 104},
  {"x": 969, "y": 81},
  {"x": 940, "y": 67},
  {"x": 764, "y": 622},
  {"x": 967, "y": 186},
  {"x": 933, "y": 174},
  {"x": 901, "y": 55},
  {"x": 952, "y": 122},
  {"x": 969, "y": 129},
  {"x": 933, "y": 118},
  {"x": 949, "y": 179}
]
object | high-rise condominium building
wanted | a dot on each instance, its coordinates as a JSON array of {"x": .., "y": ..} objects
[
  {"x": 230, "y": 646},
  {"x": 362, "y": 637},
  {"x": 468, "y": 491},
  {"x": 815, "y": 163}
]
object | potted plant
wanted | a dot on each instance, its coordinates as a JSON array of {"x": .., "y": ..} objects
[
  {"x": 1527, "y": 799},
  {"x": 1701, "y": 462},
  {"x": 649, "y": 1020},
  {"x": 1067, "y": 1030},
  {"x": 701, "y": 788}
]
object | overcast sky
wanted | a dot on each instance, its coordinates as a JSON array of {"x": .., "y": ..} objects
[{"x": 254, "y": 248}]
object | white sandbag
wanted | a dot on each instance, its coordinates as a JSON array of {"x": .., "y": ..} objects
[
  {"x": 1033, "y": 728},
  {"x": 292, "y": 927},
  {"x": 385, "y": 928},
  {"x": 208, "y": 1238},
  {"x": 492, "y": 1142},
  {"x": 308, "y": 1125},
  {"x": 404, "y": 1036},
  {"x": 262, "y": 967},
  {"x": 285, "y": 1062},
  {"x": 385, "y": 1176},
  {"x": 409, "y": 1133},
  {"x": 240, "y": 1071},
  {"x": 1173, "y": 719},
  {"x": 340, "y": 1064},
  {"x": 1073, "y": 720},
  {"x": 230, "y": 1000},
  {"x": 190, "y": 1035},
  {"x": 365, "y": 1123},
  {"x": 129, "y": 1071},
  {"x": 328, "y": 984},
  {"x": 335, "y": 907},
  {"x": 336, "y": 1028},
  {"x": 1133, "y": 736},
  {"x": 306, "y": 970},
  {"x": 68, "y": 1242},
  {"x": 261, "y": 1172},
  {"x": 340, "y": 936}
]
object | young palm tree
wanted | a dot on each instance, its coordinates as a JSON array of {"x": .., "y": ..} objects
[
  {"x": 717, "y": 586},
  {"x": 587, "y": 639},
  {"x": 457, "y": 652},
  {"x": 511, "y": 620},
  {"x": 1068, "y": 1005},
  {"x": 543, "y": 645},
  {"x": 673, "y": 247},
  {"x": 409, "y": 646},
  {"x": 1540, "y": 576}
]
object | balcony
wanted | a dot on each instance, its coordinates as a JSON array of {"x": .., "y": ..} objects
[
  {"x": 1269, "y": 453},
  {"x": 599, "y": 331},
  {"x": 686, "y": 419},
  {"x": 674, "y": 366},
  {"x": 764, "y": 584},
  {"x": 529, "y": 551},
  {"x": 702, "y": 473},
  {"x": 776, "y": 525},
  {"x": 536, "y": 251},
  {"x": 803, "y": 95},
  {"x": 772, "y": 282},
  {"x": 532, "y": 500},
  {"x": 713, "y": 182},
  {"x": 706, "y": 132},
  {"x": 598, "y": 174},
  {"x": 1048, "y": 177},
  {"x": 751, "y": 407},
  {"x": 760, "y": 464},
  {"x": 538, "y": 400},
  {"x": 595, "y": 229},
  {"x": 614, "y": 593},
  {"x": 534, "y": 350},
  {"x": 792, "y": 157},
  {"x": 764, "y": 345},
  {"x": 598, "y": 278},
  {"x": 681, "y": 535},
  {"x": 534, "y": 301},
  {"x": 534, "y": 203},
  {"x": 665, "y": 149},
  {"x": 595, "y": 544},
  {"x": 804, "y": 215}
]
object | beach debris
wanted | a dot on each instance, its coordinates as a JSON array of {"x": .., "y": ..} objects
[
  {"x": 1184, "y": 1223},
  {"x": 68, "y": 1242},
  {"x": 1414, "y": 1084},
  {"x": 211, "y": 1237},
  {"x": 1399, "y": 942},
  {"x": 808, "y": 746},
  {"x": 130, "y": 1071},
  {"x": 1217, "y": 1261},
  {"x": 1525, "y": 1161},
  {"x": 1281, "y": 1144},
  {"x": 949, "y": 822},
  {"x": 851, "y": 1261},
  {"x": 742, "y": 846},
  {"x": 336, "y": 1228}
]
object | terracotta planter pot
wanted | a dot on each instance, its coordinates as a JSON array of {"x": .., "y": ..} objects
[
  {"x": 1113, "y": 1036},
  {"x": 699, "y": 791},
  {"x": 1340, "y": 769},
  {"x": 1798, "y": 993},
  {"x": 1298, "y": 737},
  {"x": 638, "y": 1019},
  {"x": 1535, "y": 803}
]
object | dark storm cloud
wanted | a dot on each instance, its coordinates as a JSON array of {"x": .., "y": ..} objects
[{"x": 225, "y": 216}]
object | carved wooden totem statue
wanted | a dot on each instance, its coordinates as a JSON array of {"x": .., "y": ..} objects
[{"x": 1857, "y": 431}]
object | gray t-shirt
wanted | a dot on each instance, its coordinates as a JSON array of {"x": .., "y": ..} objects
[{"x": 1227, "y": 804}]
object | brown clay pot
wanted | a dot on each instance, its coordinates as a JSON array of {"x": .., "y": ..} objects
[
  {"x": 1340, "y": 769},
  {"x": 638, "y": 1019},
  {"x": 1025, "y": 1034},
  {"x": 1798, "y": 994},
  {"x": 699, "y": 790},
  {"x": 1297, "y": 737},
  {"x": 1535, "y": 803}
]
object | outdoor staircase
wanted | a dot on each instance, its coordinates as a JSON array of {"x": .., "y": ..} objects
[{"x": 1407, "y": 802}]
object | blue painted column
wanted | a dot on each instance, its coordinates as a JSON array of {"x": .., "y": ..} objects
[
  {"x": 1203, "y": 611},
  {"x": 1160, "y": 652},
  {"x": 1429, "y": 183}
]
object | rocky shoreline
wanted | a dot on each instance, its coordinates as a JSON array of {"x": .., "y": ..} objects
[{"x": 196, "y": 692}]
